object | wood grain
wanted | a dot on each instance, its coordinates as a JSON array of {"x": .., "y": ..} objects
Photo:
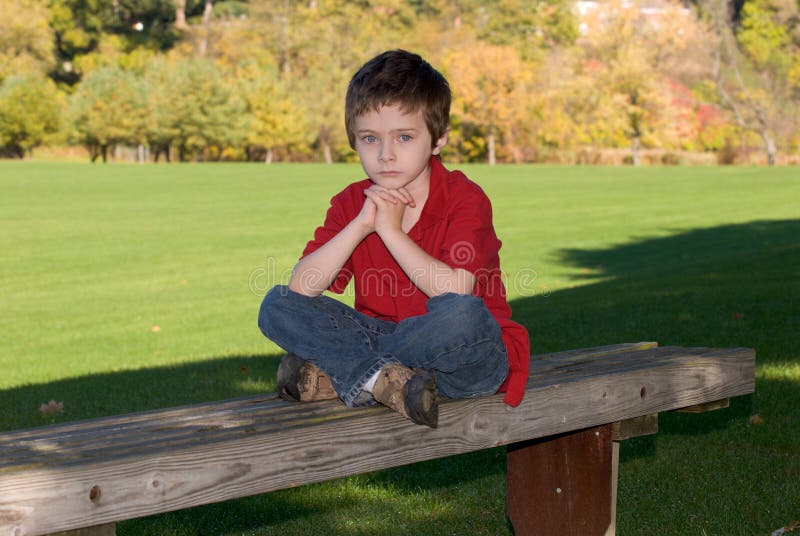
[
  {"x": 562, "y": 485},
  {"x": 635, "y": 427},
  {"x": 105, "y": 470}
]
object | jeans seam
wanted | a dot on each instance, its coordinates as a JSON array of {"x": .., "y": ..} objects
[
  {"x": 364, "y": 326},
  {"x": 468, "y": 345}
]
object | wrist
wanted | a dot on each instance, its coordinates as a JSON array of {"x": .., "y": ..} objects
[
  {"x": 389, "y": 230},
  {"x": 361, "y": 228}
]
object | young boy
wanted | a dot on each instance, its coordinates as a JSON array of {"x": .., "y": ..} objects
[{"x": 430, "y": 316}]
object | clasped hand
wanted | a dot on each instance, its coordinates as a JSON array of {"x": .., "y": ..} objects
[{"x": 384, "y": 208}]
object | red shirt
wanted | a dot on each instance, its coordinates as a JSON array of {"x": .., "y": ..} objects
[{"x": 455, "y": 227}]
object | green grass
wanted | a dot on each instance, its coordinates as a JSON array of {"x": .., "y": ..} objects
[{"x": 94, "y": 257}]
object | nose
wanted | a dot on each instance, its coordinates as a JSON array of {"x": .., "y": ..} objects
[{"x": 387, "y": 152}]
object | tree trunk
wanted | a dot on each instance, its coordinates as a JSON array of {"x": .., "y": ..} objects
[
  {"x": 286, "y": 43},
  {"x": 491, "y": 144},
  {"x": 635, "y": 142},
  {"x": 268, "y": 158},
  {"x": 769, "y": 145},
  {"x": 326, "y": 149},
  {"x": 180, "y": 14},
  {"x": 207, "y": 12},
  {"x": 206, "y": 20}
]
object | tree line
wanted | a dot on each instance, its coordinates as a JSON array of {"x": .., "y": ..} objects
[{"x": 533, "y": 81}]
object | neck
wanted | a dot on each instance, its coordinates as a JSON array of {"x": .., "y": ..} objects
[{"x": 419, "y": 188}]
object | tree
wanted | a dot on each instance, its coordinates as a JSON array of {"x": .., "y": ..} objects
[
  {"x": 211, "y": 112},
  {"x": 78, "y": 25},
  {"x": 275, "y": 120},
  {"x": 635, "y": 55},
  {"x": 303, "y": 35},
  {"x": 756, "y": 68},
  {"x": 490, "y": 82},
  {"x": 578, "y": 112},
  {"x": 82, "y": 26},
  {"x": 108, "y": 109},
  {"x": 163, "y": 119},
  {"x": 30, "y": 107},
  {"x": 529, "y": 26},
  {"x": 26, "y": 39},
  {"x": 769, "y": 37}
]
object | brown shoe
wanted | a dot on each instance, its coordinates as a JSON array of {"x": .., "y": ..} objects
[
  {"x": 412, "y": 393},
  {"x": 301, "y": 381}
]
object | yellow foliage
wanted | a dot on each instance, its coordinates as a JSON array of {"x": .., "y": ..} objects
[{"x": 26, "y": 39}]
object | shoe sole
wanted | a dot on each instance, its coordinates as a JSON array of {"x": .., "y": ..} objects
[
  {"x": 422, "y": 400},
  {"x": 289, "y": 377}
]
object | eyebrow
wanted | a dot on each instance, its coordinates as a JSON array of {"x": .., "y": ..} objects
[{"x": 368, "y": 130}]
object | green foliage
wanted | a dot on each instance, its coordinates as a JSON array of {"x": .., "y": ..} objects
[
  {"x": 209, "y": 108},
  {"x": 163, "y": 119},
  {"x": 30, "y": 108},
  {"x": 763, "y": 39},
  {"x": 527, "y": 84},
  {"x": 275, "y": 120},
  {"x": 528, "y": 25},
  {"x": 108, "y": 109},
  {"x": 755, "y": 69},
  {"x": 78, "y": 27},
  {"x": 146, "y": 23}
]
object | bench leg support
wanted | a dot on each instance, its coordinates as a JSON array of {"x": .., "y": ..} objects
[
  {"x": 563, "y": 485},
  {"x": 101, "y": 530}
]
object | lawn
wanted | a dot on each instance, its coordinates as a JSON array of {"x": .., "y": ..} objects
[{"x": 128, "y": 287}]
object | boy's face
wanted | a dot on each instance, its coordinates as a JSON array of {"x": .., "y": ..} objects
[{"x": 395, "y": 147}]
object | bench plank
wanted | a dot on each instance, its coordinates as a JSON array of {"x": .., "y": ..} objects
[{"x": 105, "y": 470}]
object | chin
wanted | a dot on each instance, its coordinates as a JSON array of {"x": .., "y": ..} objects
[{"x": 390, "y": 181}]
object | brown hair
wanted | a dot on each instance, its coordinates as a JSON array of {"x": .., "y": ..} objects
[{"x": 402, "y": 78}]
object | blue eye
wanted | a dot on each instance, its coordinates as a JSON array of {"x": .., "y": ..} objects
[
  {"x": 369, "y": 138},
  {"x": 406, "y": 137}
]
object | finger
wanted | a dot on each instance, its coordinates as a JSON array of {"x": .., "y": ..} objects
[
  {"x": 400, "y": 196},
  {"x": 408, "y": 197},
  {"x": 380, "y": 194},
  {"x": 379, "y": 197}
]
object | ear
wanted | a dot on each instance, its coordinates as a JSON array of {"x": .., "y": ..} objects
[{"x": 441, "y": 142}]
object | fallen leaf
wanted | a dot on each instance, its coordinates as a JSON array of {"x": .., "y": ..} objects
[
  {"x": 155, "y": 329},
  {"x": 756, "y": 419},
  {"x": 51, "y": 408}
]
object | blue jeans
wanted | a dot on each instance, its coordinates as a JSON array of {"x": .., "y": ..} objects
[{"x": 457, "y": 339}]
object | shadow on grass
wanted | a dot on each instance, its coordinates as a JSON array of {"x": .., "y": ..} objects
[
  {"x": 726, "y": 286},
  {"x": 128, "y": 391},
  {"x": 732, "y": 285}
]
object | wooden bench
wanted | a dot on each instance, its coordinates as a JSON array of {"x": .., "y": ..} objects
[{"x": 562, "y": 450}]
